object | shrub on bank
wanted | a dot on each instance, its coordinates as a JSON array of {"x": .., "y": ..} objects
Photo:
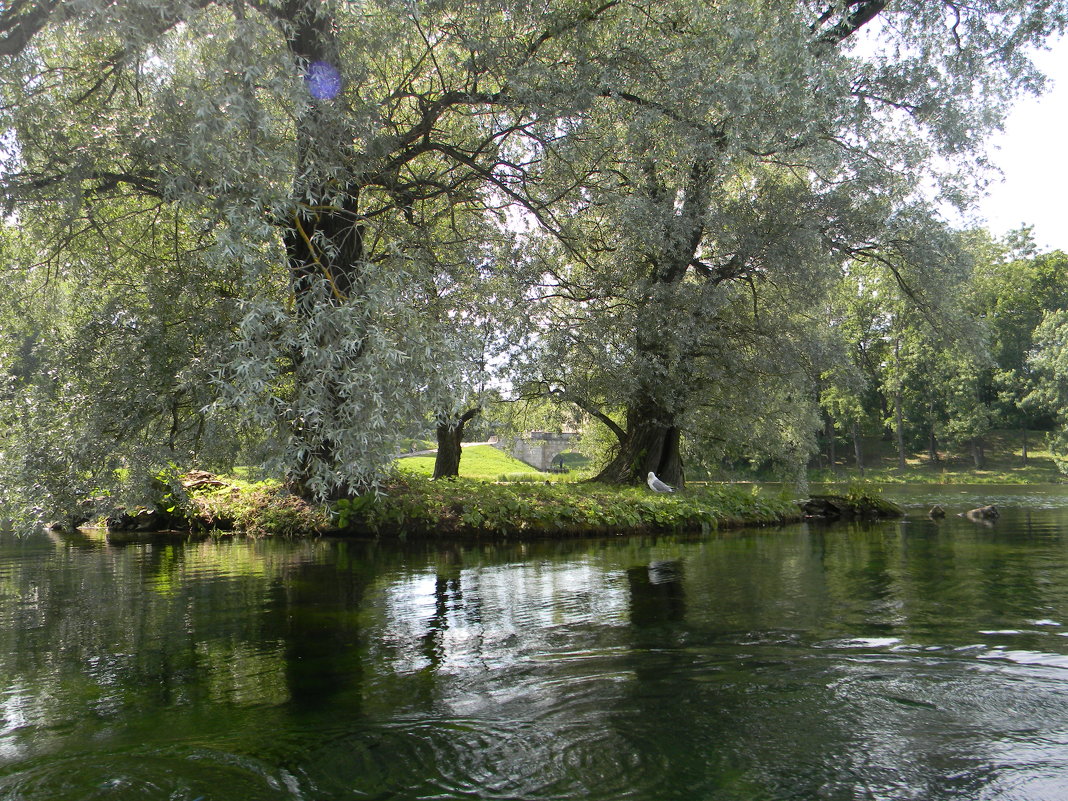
[{"x": 258, "y": 509}]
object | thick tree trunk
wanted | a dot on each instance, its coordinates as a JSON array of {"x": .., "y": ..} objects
[
  {"x": 1024, "y": 445},
  {"x": 333, "y": 266},
  {"x": 450, "y": 436},
  {"x": 651, "y": 444},
  {"x": 932, "y": 446},
  {"x": 299, "y": 479},
  {"x": 447, "y": 461},
  {"x": 323, "y": 236},
  {"x": 978, "y": 453}
]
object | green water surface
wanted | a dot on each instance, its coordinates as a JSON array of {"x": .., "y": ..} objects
[{"x": 902, "y": 660}]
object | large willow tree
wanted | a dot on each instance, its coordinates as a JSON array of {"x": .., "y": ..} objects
[
  {"x": 762, "y": 147},
  {"x": 325, "y": 156}
]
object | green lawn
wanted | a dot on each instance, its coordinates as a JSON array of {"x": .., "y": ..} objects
[
  {"x": 480, "y": 461},
  {"x": 1004, "y": 463}
]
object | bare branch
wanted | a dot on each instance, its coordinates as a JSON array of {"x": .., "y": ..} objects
[{"x": 591, "y": 410}]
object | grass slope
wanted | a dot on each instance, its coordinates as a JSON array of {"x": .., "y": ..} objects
[
  {"x": 414, "y": 505},
  {"x": 479, "y": 461}
]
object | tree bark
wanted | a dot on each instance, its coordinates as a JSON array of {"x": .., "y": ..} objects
[
  {"x": 651, "y": 444},
  {"x": 450, "y": 438}
]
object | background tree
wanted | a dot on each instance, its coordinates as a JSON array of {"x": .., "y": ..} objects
[
  {"x": 910, "y": 335},
  {"x": 479, "y": 304},
  {"x": 1050, "y": 394},
  {"x": 1014, "y": 289}
]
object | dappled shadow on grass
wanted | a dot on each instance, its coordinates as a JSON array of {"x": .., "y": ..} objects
[{"x": 944, "y": 473}]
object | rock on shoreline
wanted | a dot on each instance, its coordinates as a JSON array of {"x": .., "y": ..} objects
[{"x": 842, "y": 507}]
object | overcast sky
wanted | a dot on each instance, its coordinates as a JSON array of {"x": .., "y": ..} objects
[{"x": 1033, "y": 155}]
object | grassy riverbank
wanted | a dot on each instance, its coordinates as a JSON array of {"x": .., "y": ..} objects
[
  {"x": 489, "y": 463},
  {"x": 416, "y": 506},
  {"x": 499, "y": 497},
  {"x": 477, "y": 461},
  {"x": 412, "y": 505},
  {"x": 1005, "y": 463}
]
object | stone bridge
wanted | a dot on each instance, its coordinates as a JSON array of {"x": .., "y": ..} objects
[{"x": 539, "y": 448}]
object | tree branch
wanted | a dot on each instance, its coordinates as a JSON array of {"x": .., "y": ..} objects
[
  {"x": 106, "y": 180},
  {"x": 569, "y": 24},
  {"x": 591, "y": 410},
  {"x": 18, "y": 26},
  {"x": 864, "y": 11}
]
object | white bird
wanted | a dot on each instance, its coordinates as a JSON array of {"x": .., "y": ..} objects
[{"x": 656, "y": 485}]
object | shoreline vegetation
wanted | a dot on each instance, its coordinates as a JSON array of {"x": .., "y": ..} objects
[
  {"x": 498, "y": 497},
  {"x": 518, "y": 504},
  {"x": 413, "y": 506}
]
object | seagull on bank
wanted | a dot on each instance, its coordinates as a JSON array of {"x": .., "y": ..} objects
[{"x": 656, "y": 485}]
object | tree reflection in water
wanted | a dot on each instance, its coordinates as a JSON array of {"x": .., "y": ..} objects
[{"x": 900, "y": 660}]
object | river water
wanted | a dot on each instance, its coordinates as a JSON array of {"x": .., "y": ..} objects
[{"x": 902, "y": 660}]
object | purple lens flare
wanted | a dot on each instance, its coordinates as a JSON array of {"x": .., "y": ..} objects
[{"x": 324, "y": 80}]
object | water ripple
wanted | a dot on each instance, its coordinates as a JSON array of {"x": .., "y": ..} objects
[
  {"x": 556, "y": 755},
  {"x": 177, "y": 774}
]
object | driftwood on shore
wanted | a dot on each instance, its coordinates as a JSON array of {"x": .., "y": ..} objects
[{"x": 196, "y": 479}]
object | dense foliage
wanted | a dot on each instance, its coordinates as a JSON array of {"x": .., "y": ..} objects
[
  {"x": 290, "y": 233},
  {"x": 938, "y": 377}
]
